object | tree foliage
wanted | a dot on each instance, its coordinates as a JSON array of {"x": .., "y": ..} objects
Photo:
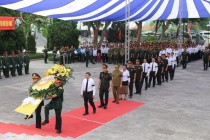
[
  {"x": 114, "y": 32},
  {"x": 11, "y": 40},
  {"x": 62, "y": 33}
]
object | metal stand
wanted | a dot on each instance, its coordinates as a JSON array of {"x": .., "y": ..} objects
[{"x": 127, "y": 28}]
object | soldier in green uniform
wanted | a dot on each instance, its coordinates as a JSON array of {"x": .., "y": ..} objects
[
  {"x": 45, "y": 51},
  {"x": 116, "y": 83},
  {"x": 136, "y": 54},
  {"x": 110, "y": 55},
  {"x": 116, "y": 55},
  {"x": 5, "y": 64},
  {"x": 19, "y": 63},
  {"x": 72, "y": 49},
  {"x": 132, "y": 71},
  {"x": 62, "y": 52},
  {"x": 132, "y": 55},
  {"x": 104, "y": 86},
  {"x": 0, "y": 66},
  {"x": 26, "y": 61},
  {"x": 113, "y": 55},
  {"x": 54, "y": 55},
  {"x": 56, "y": 104},
  {"x": 122, "y": 55},
  {"x": 184, "y": 59},
  {"x": 205, "y": 59},
  {"x": 160, "y": 70},
  {"x": 139, "y": 74},
  {"x": 13, "y": 64}
]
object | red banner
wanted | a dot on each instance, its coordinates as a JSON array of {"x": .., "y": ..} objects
[
  {"x": 7, "y": 23},
  {"x": 120, "y": 35}
]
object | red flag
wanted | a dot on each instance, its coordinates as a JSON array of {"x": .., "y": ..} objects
[{"x": 120, "y": 35}]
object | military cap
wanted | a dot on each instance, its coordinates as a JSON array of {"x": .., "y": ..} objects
[
  {"x": 5, "y": 52},
  {"x": 12, "y": 52},
  {"x": 35, "y": 76},
  {"x": 18, "y": 52},
  {"x": 104, "y": 65},
  {"x": 58, "y": 79},
  {"x": 117, "y": 66}
]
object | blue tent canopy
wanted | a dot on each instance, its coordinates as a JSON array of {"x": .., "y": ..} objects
[{"x": 112, "y": 10}]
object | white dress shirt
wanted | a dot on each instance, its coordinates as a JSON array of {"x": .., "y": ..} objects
[
  {"x": 94, "y": 52},
  {"x": 171, "y": 62},
  {"x": 126, "y": 76},
  {"x": 90, "y": 87},
  {"x": 153, "y": 67},
  {"x": 146, "y": 68}
]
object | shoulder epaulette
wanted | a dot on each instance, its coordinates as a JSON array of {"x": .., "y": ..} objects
[{"x": 60, "y": 88}]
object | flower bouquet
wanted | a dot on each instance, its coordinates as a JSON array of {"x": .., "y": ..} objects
[{"x": 45, "y": 86}]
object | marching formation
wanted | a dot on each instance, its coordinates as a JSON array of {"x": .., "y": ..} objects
[{"x": 13, "y": 65}]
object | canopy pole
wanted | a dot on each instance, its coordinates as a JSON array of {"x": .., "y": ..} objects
[{"x": 127, "y": 29}]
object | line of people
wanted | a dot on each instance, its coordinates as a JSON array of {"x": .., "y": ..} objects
[{"x": 14, "y": 63}]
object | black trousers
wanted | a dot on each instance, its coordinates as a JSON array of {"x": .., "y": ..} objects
[
  {"x": 103, "y": 92},
  {"x": 45, "y": 58},
  {"x": 137, "y": 85},
  {"x": 144, "y": 78},
  {"x": 38, "y": 116},
  {"x": 184, "y": 64},
  {"x": 131, "y": 88},
  {"x": 58, "y": 120},
  {"x": 103, "y": 57},
  {"x": 27, "y": 69},
  {"x": 205, "y": 65},
  {"x": 166, "y": 75},
  {"x": 170, "y": 72},
  {"x": 88, "y": 97},
  {"x": 159, "y": 74},
  {"x": 152, "y": 77},
  {"x": 79, "y": 57},
  {"x": 106, "y": 57},
  {"x": 173, "y": 71}
]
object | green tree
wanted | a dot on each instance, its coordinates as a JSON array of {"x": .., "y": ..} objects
[
  {"x": 114, "y": 32},
  {"x": 31, "y": 43},
  {"x": 62, "y": 33}
]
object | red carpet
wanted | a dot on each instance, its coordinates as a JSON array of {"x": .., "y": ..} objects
[{"x": 73, "y": 123}]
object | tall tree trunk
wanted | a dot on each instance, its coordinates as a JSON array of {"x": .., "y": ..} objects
[
  {"x": 165, "y": 26},
  {"x": 96, "y": 27},
  {"x": 89, "y": 26},
  {"x": 104, "y": 32},
  {"x": 139, "y": 30}
]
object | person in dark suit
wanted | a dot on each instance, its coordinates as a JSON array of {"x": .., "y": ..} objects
[{"x": 56, "y": 104}]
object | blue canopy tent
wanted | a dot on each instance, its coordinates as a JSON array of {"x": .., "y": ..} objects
[{"x": 112, "y": 10}]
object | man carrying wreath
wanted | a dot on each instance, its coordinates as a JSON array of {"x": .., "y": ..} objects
[{"x": 56, "y": 104}]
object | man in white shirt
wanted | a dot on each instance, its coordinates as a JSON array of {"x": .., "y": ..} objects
[
  {"x": 175, "y": 64},
  {"x": 88, "y": 92},
  {"x": 170, "y": 65},
  {"x": 146, "y": 71},
  {"x": 153, "y": 72},
  {"x": 103, "y": 51}
]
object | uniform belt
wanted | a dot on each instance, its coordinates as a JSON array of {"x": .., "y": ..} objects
[{"x": 88, "y": 92}]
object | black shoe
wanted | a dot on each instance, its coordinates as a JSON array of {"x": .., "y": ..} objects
[
  {"x": 45, "y": 122},
  {"x": 145, "y": 88},
  {"x": 28, "y": 117},
  {"x": 58, "y": 131},
  {"x": 120, "y": 99},
  {"x": 100, "y": 106},
  {"x": 38, "y": 127},
  {"x": 148, "y": 87},
  {"x": 113, "y": 101},
  {"x": 125, "y": 99},
  {"x": 0, "y": 78},
  {"x": 130, "y": 96},
  {"x": 94, "y": 111},
  {"x": 153, "y": 86},
  {"x": 117, "y": 102},
  {"x": 105, "y": 107},
  {"x": 85, "y": 114}
]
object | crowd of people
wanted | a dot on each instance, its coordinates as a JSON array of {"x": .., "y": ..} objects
[{"x": 13, "y": 64}]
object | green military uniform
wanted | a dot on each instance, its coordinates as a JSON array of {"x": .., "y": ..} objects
[
  {"x": 19, "y": 64},
  {"x": 5, "y": 64},
  {"x": 138, "y": 70},
  {"x": 116, "y": 83},
  {"x": 122, "y": 56},
  {"x": 184, "y": 59},
  {"x": 26, "y": 60},
  {"x": 56, "y": 104},
  {"x": 13, "y": 65},
  {"x": 132, "y": 72},
  {"x": 136, "y": 55},
  {"x": 113, "y": 55},
  {"x": 105, "y": 78},
  {"x": 54, "y": 56},
  {"x": 110, "y": 55},
  {"x": 205, "y": 60},
  {"x": 72, "y": 55},
  {"x": 116, "y": 55},
  {"x": 45, "y": 51},
  {"x": 61, "y": 56},
  {"x": 0, "y": 66},
  {"x": 132, "y": 55}
]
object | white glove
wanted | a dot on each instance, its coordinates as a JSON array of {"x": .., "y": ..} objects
[
  {"x": 4, "y": 67},
  {"x": 25, "y": 64},
  {"x": 10, "y": 66}
]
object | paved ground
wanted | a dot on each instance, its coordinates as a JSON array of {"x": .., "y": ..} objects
[{"x": 177, "y": 110}]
